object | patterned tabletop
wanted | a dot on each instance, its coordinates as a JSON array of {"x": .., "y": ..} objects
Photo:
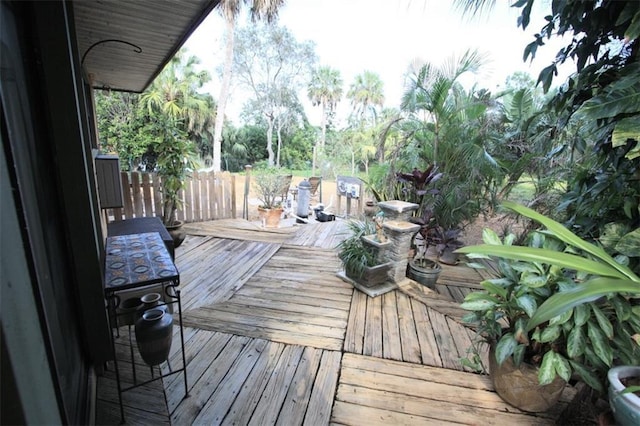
[{"x": 136, "y": 260}]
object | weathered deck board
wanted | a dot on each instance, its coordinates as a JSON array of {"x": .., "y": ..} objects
[
  {"x": 218, "y": 268},
  {"x": 202, "y": 389},
  {"x": 302, "y": 310},
  {"x": 391, "y": 343},
  {"x": 240, "y": 229},
  {"x": 297, "y": 400},
  {"x": 426, "y": 338},
  {"x": 319, "y": 410},
  {"x": 376, "y": 391}
]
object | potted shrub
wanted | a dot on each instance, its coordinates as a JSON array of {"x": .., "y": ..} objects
[
  {"x": 360, "y": 260},
  {"x": 174, "y": 158},
  {"x": 559, "y": 304},
  {"x": 269, "y": 184}
]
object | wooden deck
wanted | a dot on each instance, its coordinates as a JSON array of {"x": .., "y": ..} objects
[{"x": 273, "y": 336}]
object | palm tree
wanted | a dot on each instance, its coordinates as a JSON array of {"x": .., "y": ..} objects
[
  {"x": 176, "y": 112},
  {"x": 230, "y": 9},
  {"x": 325, "y": 89},
  {"x": 174, "y": 93},
  {"x": 366, "y": 93},
  {"x": 430, "y": 90}
]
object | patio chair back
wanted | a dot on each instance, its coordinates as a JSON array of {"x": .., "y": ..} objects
[
  {"x": 315, "y": 182},
  {"x": 284, "y": 189}
]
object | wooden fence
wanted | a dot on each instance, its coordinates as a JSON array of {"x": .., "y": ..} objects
[{"x": 207, "y": 196}]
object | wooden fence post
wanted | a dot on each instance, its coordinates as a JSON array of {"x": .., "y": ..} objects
[{"x": 247, "y": 184}]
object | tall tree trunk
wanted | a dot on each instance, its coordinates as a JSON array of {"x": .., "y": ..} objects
[
  {"x": 353, "y": 163},
  {"x": 270, "y": 138},
  {"x": 224, "y": 95},
  {"x": 324, "y": 124},
  {"x": 279, "y": 133}
]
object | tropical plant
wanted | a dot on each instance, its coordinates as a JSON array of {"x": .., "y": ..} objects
[
  {"x": 599, "y": 101},
  {"x": 355, "y": 255},
  {"x": 174, "y": 160},
  {"x": 230, "y": 9},
  {"x": 121, "y": 126},
  {"x": 176, "y": 109},
  {"x": 565, "y": 303},
  {"x": 445, "y": 125}
]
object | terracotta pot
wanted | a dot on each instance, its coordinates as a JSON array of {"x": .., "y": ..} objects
[
  {"x": 270, "y": 217},
  {"x": 519, "y": 386}
]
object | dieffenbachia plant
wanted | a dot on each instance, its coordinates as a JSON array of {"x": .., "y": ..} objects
[{"x": 606, "y": 275}]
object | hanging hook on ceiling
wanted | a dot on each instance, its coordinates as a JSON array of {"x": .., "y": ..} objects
[{"x": 137, "y": 48}]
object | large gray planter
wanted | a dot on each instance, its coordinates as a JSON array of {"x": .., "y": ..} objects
[{"x": 625, "y": 406}]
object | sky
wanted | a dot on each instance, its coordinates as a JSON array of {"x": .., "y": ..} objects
[{"x": 385, "y": 36}]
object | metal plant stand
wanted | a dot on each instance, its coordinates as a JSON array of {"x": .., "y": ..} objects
[{"x": 135, "y": 261}]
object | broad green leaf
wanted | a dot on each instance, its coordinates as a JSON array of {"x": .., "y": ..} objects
[
  {"x": 494, "y": 289},
  {"x": 624, "y": 130},
  {"x": 586, "y": 292},
  {"x": 623, "y": 310},
  {"x": 611, "y": 234},
  {"x": 603, "y": 321},
  {"x": 525, "y": 267},
  {"x": 582, "y": 314},
  {"x": 587, "y": 376},
  {"x": 533, "y": 280},
  {"x": 562, "y": 318},
  {"x": 570, "y": 238},
  {"x": 509, "y": 239},
  {"x": 562, "y": 367},
  {"x": 505, "y": 347},
  {"x": 518, "y": 354},
  {"x": 477, "y": 305},
  {"x": 489, "y": 236},
  {"x": 629, "y": 244},
  {"x": 593, "y": 359},
  {"x": 547, "y": 371},
  {"x": 503, "y": 282},
  {"x": 599, "y": 343},
  {"x": 527, "y": 303},
  {"x": 550, "y": 334},
  {"x": 570, "y": 261},
  {"x": 576, "y": 342}
]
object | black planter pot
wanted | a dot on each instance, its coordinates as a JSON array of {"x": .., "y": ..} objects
[
  {"x": 426, "y": 275},
  {"x": 177, "y": 233}
]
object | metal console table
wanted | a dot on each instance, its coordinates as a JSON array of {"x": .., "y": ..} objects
[{"x": 135, "y": 261}]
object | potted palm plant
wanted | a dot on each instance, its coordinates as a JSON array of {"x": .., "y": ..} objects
[
  {"x": 174, "y": 158},
  {"x": 360, "y": 259},
  {"x": 560, "y": 305}
]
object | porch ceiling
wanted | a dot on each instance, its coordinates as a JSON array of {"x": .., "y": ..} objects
[{"x": 158, "y": 28}]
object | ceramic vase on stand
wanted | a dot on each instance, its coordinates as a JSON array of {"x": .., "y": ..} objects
[
  {"x": 128, "y": 311},
  {"x": 152, "y": 300},
  {"x": 154, "y": 331}
]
